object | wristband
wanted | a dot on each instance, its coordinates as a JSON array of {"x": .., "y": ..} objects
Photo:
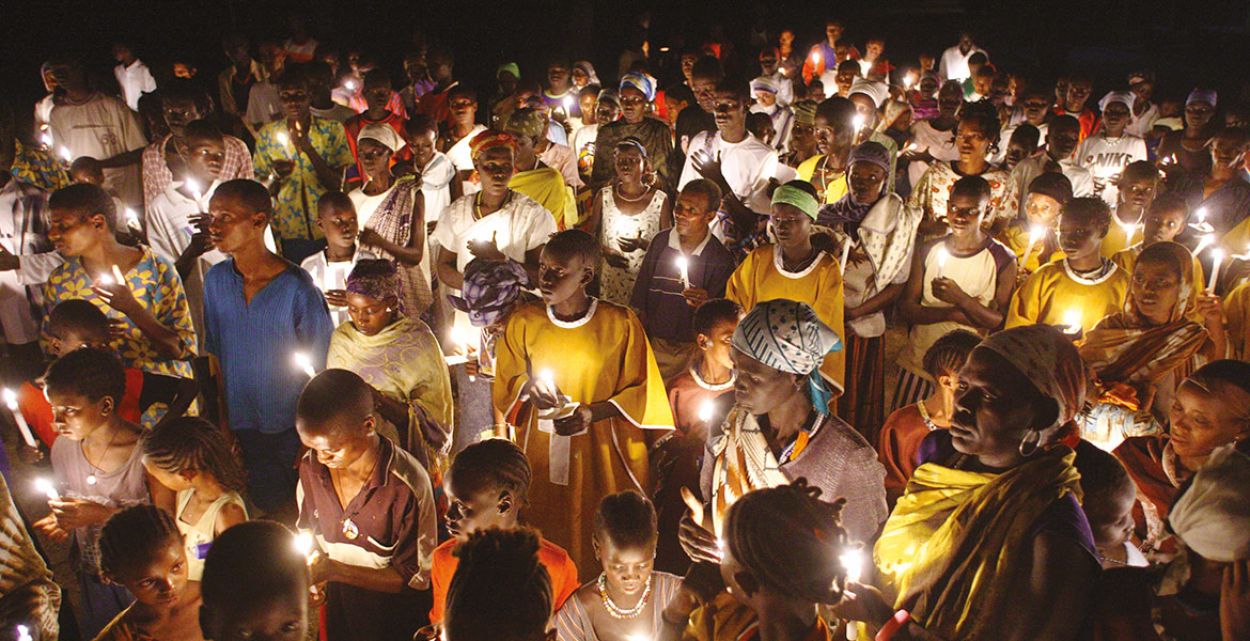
[{"x": 893, "y": 625}]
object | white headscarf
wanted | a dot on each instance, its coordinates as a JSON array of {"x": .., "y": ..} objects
[{"x": 1212, "y": 517}]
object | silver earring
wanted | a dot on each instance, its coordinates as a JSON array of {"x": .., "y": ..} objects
[{"x": 1030, "y": 443}]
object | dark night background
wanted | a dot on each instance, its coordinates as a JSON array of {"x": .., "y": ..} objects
[{"x": 1188, "y": 43}]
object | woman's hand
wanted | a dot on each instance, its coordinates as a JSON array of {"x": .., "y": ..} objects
[
  {"x": 370, "y": 236},
  {"x": 698, "y": 542},
  {"x": 708, "y": 167},
  {"x": 631, "y": 245},
  {"x": 119, "y": 297},
  {"x": 283, "y": 168},
  {"x": 947, "y": 290},
  {"x": 542, "y": 397},
  {"x": 486, "y": 249},
  {"x": 863, "y": 602},
  {"x": 576, "y": 423},
  {"x": 50, "y": 528},
  {"x": 1211, "y": 309},
  {"x": 336, "y": 297},
  {"x": 614, "y": 259},
  {"x": 695, "y": 296},
  {"x": 72, "y": 514}
]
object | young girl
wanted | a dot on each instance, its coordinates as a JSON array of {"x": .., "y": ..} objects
[
  {"x": 141, "y": 550},
  {"x": 629, "y": 213},
  {"x": 190, "y": 456},
  {"x": 629, "y": 596},
  {"x": 98, "y": 469}
]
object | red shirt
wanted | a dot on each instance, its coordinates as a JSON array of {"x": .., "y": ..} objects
[
  {"x": 899, "y": 446},
  {"x": 560, "y": 567}
]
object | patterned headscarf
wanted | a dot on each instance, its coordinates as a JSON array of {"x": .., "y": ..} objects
[
  {"x": 640, "y": 81},
  {"x": 587, "y": 69},
  {"x": 490, "y": 139},
  {"x": 490, "y": 288},
  {"x": 787, "y": 335},
  {"x": 805, "y": 113},
  {"x": 1050, "y": 361},
  {"x": 527, "y": 122},
  {"x": 1212, "y": 517},
  {"x": 376, "y": 278},
  {"x": 765, "y": 84}
]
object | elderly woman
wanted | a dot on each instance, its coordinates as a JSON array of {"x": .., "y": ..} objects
[
  {"x": 879, "y": 233},
  {"x": 390, "y": 213},
  {"x": 779, "y": 429},
  {"x": 989, "y": 540},
  {"x": 399, "y": 357},
  {"x": 1141, "y": 355}
]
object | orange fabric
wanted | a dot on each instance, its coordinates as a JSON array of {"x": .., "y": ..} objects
[
  {"x": 899, "y": 447},
  {"x": 559, "y": 566},
  {"x": 37, "y": 410}
]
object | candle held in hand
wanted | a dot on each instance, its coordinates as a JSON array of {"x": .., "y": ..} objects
[
  {"x": 1072, "y": 322},
  {"x": 706, "y": 411},
  {"x": 304, "y": 362},
  {"x": 10, "y": 401},
  {"x": 852, "y": 561},
  {"x": 683, "y": 266},
  {"x": 48, "y": 488},
  {"x": 1217, "y": 256}
]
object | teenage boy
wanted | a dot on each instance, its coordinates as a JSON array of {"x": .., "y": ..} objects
[
  {"x": 1107, "y": 153},
  {"x": 377, "y": 92},
  {"x": 336, "y": 216},
  {"x": 1138, "y": 186},
  {"x": 255, "y": 585}
]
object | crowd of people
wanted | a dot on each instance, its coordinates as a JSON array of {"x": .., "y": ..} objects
[{"x": 838, "y": 347}]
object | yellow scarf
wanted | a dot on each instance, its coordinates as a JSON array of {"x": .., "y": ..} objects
[{"x": 958, "y": 542}]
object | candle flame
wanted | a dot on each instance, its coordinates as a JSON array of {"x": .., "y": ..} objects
[
  {"x": 706, "y": 410},
  {"x": 47, "y": 488},
  {"x": 859, "y": 121},
  {"x": 942, "y": 256},
  {"x": 304, "y": 362},
  {"x": 1072, "y": 321},
  {"x": 1036, "y": 233},
  {"x": 66, "y": 154},
  {"x": 10, "y": 399},
  {"x": 852, "y": 560}
]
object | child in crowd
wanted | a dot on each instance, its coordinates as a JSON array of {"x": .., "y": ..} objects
[
  {"x": 1163, "y": 222},
  {"x": 336, "y": 217},
  {"x": 664, "y": 302},
  {"x": 1110, "y": 495},
  {"x": 629, "y": 597},
  {"x": 98, "y": 469},
  {"x": 1078, "y": 291},
  {"x": 88, "y": 170},
  {"x": 1048, "y": 193},
  {"x": 142, "y": 551},
  {"x": 488, "y": 487},
  {"x": 899, "y": 444},
  {"x": 370, "y": 507},
  {"x": 575, "y": 376},
  {"x": 190, "y": 456},
  {"x": 1136, "y": 190},
  {"x": 960, "y": 281},
  {"x": 255, "y": 585},
  {"x": 501, "y": 589}
]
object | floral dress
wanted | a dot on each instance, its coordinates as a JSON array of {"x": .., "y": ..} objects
[
  {"x": 295, "y": 206},
  {"x": 616, "y": 284}
]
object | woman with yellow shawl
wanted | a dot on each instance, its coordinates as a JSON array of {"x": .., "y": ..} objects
[
  {"x": 400, "y": 359},
  {"x": 1140, "y": 355},
  {"x": 989, "y": 540},
  {"x": 534, "y": 178}
]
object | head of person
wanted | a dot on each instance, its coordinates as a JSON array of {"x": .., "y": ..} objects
[
  {"x": 761, "y": 126},
  {"x": 462, "y": 103},
  {"x": 730, "y": 107},
  {"x": 421, "y": 137},
  {"x": 794, "y": 210},
  {"x": 142, "y": 550},
  {"x": 179, "y": 451},
  {"x": 85, "y": 169},
  {"x": 976, "y": 135},
  {"x": 1228, "y": 148},
  {"x": 81, "y": 217},
  {"x": 844, "y": 77},
  {"x": 376, "y": 144},
  {"x": 1083, "y": 223},
  {"x": 528, "y": 127},
  {"x": 1211, "y": 409},
  {"x": 1161, "y": 281},
  {"x": 76, "y": 323},
  {"x": 1165, "y": 219},
  {"x": 676, "y": 99},
  {"x": 631, "y": 162},
  {"x": 1142, "y": 84},
  {"x": 335, "y": 418},
  {"x": 929, "y": 83},
  {"x": 1035, "y": 104},
  {"x": 586, "y": 97},
  {"x": 1047, "y": 195},
  {"x": 833, "y": 30},
  {"x": 441, "y": 64},
  {"x": 500, "y": 591},
  {"x": 373, "y": 296},
  {"x": 507, "y": 76},
  {"x": 182, "y": 102},
  {"x": 206, "y": 150},
  {"x": 1109, "y": 496},
  {"x": 1022, "y": 144},
  {"x": 803, "y": 132},
  {"x": 947, "y": 356},
  {"x": 491, "y": 290},
  {"x": 976, "y": 62},
  {"x": 377, "y": 89},
  {"x": 85, "y": 388},
  {"x": 768, "y": 59},
  {"x": 66, "y": 72},
  {"x": 1079, "y": 88},
  {"x": 296, "y": 86},
  {"x": 783, "y": 546},
  {"x": 1200, "y": 108},
  {"x": 867, "y": 171},
  {"x": 1211, "y": 519},
  {"x": 1139, "y": 184},
  {"x": 558, "y": 75},
  {"x": 950, "y": 98},
  {"x": 777, "y": 350},
  {"x": 764, "y": 90},
  {"x": 583, "y": 74},
  {"x": 705, "y": 75},
  {"x": 494, "y": 157},
  {"x": 1117, "y": 111},
  {"x": 834, "y": 125},
  {"x": 567, "y": 266},
  {"x": 238, "y": 212},
  {"x": 336, "y": 217},
  {"x": 237, "y": 48},
  {"x": 624, "y": 541},
  {"x": 255, "y": 585},
  {"x": 865, "y": 106},
  {"x": 983, "y": 82},
  {"x": 1018, "y": 389},
  {"x": 969, "y": 205},
  {"x": 487, "y": 487},
  {"x": 607, "y": 107},
  {"x": 696, "y": 208},
  {"x": 1063, "y": 136},
  {"x": 415, "y": 67}
]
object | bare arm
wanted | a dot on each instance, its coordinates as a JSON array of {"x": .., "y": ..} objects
[
  {"x": 878, "y": 302},
  {"x": 385, "y": 579},
  {"x": 446, "y": 269}
]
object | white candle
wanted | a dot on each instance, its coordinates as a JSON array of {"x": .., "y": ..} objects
[
  {"x": 853, "y": 562},
  {"x": 1217, "y": 256},
  {"x": 568, "y": 104},
  {"x": 548, "y": 379},
  {"x": 846, "y": 255},
  {"x": 683, "y": 265},
  {"x": 942, "y": 256},
  {"x": 1072, "y": 321},
  {"x": 706, "y": 410},
  {"x": 10, "y": 401},
  {"x": 908, "y": 80},
  {"x": 67, "y": 155},
  {"x": 48, "y": 489},
  {"x": 859, "y": 121},
  {"x": 305, "y": 545},
  {"x": 23, "y": 633},
  {"x": 117, "y": 274},
  {"x": 304, "y": 362},
  {"x": 1036, "y": 232},
  {"x": 1206, "y": 241}
]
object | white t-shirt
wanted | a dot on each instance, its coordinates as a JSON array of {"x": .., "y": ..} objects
[
  {"x": 263, "y": 104},
  {"x": 954, "y": 64},
  {"x": 1030, "y": 168},
  {"x": 327, "y": 276},
  {"x": 135, "y": 81},
  {"x": 436, "y": 180},
  {"x": 101, "y": 128},
  {"x": 460, "y": 154},
  {"x": 1105, "y": 158},
  {"x": 16, "y": 319},
  {"x": 747, "y": 166}
]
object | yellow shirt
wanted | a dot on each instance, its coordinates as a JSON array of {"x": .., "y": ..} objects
[
  {"x": 1118, "y": 239},
  {"x": 1053, "y": 291},
  {"x": 835, "y": 190},
  {"x": 1016, "y": 238},
  {"x": 760, "y": 278},
  {"x": 1237, "y": 311}
]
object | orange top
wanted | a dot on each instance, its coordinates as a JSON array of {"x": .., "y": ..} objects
[{"x": 559, "y": 566}]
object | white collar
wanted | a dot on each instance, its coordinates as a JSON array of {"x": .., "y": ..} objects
[
  {"x": 590, "y": 313},
  {"x": 698, "y": 380},
  {"x": 778, "y": 263},
  {"x": 1110, "y": 266},
  {"x": 674, "y": 242}
]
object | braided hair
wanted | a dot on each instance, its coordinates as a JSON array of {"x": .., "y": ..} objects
[
  {"x": 493, "y": 463},
  {"x": 192, "y": 443},
  {"x": 132, "y": 537},
  {"x": 948, "y": 354},
  {"x": 627, "y": 519},
  {"x": 501, "y": 591},
  {"x": 790, "y": 541}
]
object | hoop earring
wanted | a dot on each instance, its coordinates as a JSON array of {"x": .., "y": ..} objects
[{"x": 1030, "y": 444}]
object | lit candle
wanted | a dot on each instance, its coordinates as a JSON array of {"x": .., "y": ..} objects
[
  {"x": 10, "y": 401},
  {"x": 304, "y": 362},
  {"x": 683, "y": 266},
  {"x": 816, "y": 58},
  {"x": 193, "y": 186},
  {"x": 23, "y": 633},
  {"x": 1072, "y": 322},
  {"x": 48, "y": 488},
  {"x": 567, "y": 101},
  {"x": 132, "y": 219},
  {"x": 1036, "y": 233},
  {"x": 706, "y": 410},
  {"x": 117, "y": 274},
  {"x": 943, "y": 255},
  {"x": 46, "y": 139},
  {"x": 350, "y": 85},
  {"x": 305, "y": 544},
  {"x": 909, "y": 79},
  {"x": 67, "y": 155},
  {"x": 1206, "y": 241},
  {"x": 1217, "y": 256},
  {"x": 104, "y": 279},
  {"x": 859, "y": 121},
  {"x": 853, "y": 562},
  {"x": 285, "y": 140},
  {"x": 548, "y": 380}
]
